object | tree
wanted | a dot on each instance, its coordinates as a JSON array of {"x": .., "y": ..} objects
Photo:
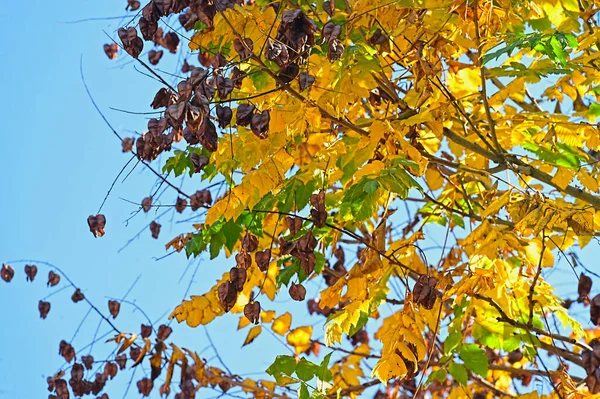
[{"x": 325, "y": 121}]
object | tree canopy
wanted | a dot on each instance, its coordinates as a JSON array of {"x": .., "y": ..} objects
[{"x": 428, "y": 164}]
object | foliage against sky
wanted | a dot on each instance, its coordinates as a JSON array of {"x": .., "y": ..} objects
[{"x": 309, "y": 127}]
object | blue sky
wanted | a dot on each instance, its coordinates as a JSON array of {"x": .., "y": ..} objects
[{"x": 59, "y": 160}]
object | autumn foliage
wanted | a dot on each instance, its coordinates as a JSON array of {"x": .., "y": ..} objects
[{"x": 429, "y": 162}]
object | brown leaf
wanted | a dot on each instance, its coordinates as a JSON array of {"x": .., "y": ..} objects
[
  {"x": 595, "y": 310},
  {"x": 148, "y": 28},
  {"x": 278, "y": 53},
  {"x": 180, "y": 204},
  {"x": 88, "y": 361},
  {"x": 154, "y": 56},
  {"x": 583, "y": 288},
  {"x": 224, "y": 115},
  {"x": 127, "y": 144},
  {"x": 294, "y": 224},
  {"x": 171, "y": 42},
  {"x": 97, "y": 224},
  {"x": 200, "y": 198},
  {"x": 263, "y": 258},
  {"x": 44, "y": 308},
  {"x": 135, "y": 352},
  {"x": 305, "y": 80},
  {"x": 227, "y": 295},
  {"x": 113, "y": 308},
  {"x": 308, "y": 242},
  {"x": 308, "y": 260},
  {"x": 237, "y": 276},
  {"x": 147, "y": 204},
  {"x": 132, "y": 43},
  {"x": 157, "y": 126},
  {"x": 53, "y": 279},
  {"x": 162, "y": 98},
  {"x": 515, "y": 356},
  {"x": 361, "y": 337},
  {"x": 146, "y": 331},
  {"x": 424, "y": 291},
  {"x": 252, "y": 311},
  {"x": 336, "y": 50},
  {"x": 237, "y": 76},
  {"x": 224, "y": 86},
  {"x": 66, "y": 350},
  {"x": 121, "y": 360},
  {"x": 243, "y": 260},
  {"x": 132, "y": 5},
  {"x": 244, "y": 114},
  {"x": 163, "y": 332},
  {"x": 244, "y": 49},
  {"x": 297, "y": 292},
  {"x": 199, "y": 161},
  {"x": 154, "y": 229},
  {"x": 249, "y": 242},
  {"x": 319, "y": 215},
  {"x": 288, "y": 73},
  {"x": 286, "y": 247},
  {"x": 175, "y": 113},
  {"x": 99, "y": 383},
  {"x": 7, "y": 273},
  {"x": 208, "y": 135},
  {"x": 110, "y": 370},
  {"x": 77, "y": 296},
  {"x": 331, "y": 32},
  {"x": 111, "y": 50},
  {"x": 198, "y": 76},
  {"x": 260, "y": 124},
  {"x": 185, "y": 68},
  {"x": 145, "y": 386}
]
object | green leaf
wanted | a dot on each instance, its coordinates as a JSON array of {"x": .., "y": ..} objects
[
  {"x": 324, "y": 373},
  {"x": 283, "y": 364},
  {"x": 594, "y": 110},
  {"x": 371, "y": 186},
  {"x": 216, "y": 243},
  {"x": 459, "y": 373},
  {"x": 475, "y": 359},
  {"x": 452, "y": 342},
  {"x": 199, "y": 25},
  {"x": 320, "y": 262},
  {"x": 511, "y": 344},
  {"x": 232, "y": 232},
  {"x": 304, "y": 392},
  {"x": 439, "y": 375},
  {"x": 306, "y": 370},
  {"x": 286, "y": 274},
  {"x": 195, "y": 245},
  {"x": 178, "y": 163}
]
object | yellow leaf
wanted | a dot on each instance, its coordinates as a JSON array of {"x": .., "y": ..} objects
[
  {"x": 533, "y": 251},
  {"x": 496, "y": 205},
  {"x": 200, "y": 309},
  {"x": 127, "y": 343},
  {"x": 434, "y": 178},
  {"x": 563, "y": 177},
  {"x": 331, "y": 296},
  {"x": 464, "y": 82},
  {"x": 281, "y": 325},
  {"x": 587, "y": 180},
  {"x": 252, "y": 334},
  {"x": 299, "y": 338},
  {"x": 267, "y": 316},
  {"x": 243, "y": 322}
]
